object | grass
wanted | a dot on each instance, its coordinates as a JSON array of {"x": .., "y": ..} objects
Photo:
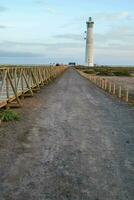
[{"x": 9, "y": 115}]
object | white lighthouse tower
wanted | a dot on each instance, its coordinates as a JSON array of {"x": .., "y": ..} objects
[{"x": 89, "y": 43}]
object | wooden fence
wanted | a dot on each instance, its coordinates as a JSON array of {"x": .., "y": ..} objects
[
  {"x": 117, "y": 90},
  {"x": 16, "y": 82}
]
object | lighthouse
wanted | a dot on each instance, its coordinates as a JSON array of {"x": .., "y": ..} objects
[{"x": 89, "y": 43}]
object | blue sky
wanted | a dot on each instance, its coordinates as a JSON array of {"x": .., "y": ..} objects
[{"x": 48, "y": 31}]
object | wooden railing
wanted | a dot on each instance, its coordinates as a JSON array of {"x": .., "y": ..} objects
[
  {"x": 120, "y": 91},
  {"x": 16, "y": 82}
]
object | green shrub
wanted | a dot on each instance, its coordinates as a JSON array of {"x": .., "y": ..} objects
[
  {"x": 89, "y": 71},
  {"x": 104, "y": 72},
  {"x": 8, "y": 115},
  {"x": 122, "y": 73},
  {"x": 112, "y": 71}
]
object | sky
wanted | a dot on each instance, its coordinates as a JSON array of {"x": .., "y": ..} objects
[{"x": 52, "y": 31}]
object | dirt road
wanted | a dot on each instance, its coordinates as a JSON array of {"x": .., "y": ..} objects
[{"x": 75, "y": 142}]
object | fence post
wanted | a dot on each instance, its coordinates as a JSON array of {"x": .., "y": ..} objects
[
  {"x": 102, "y": 83},
  {"x": 109, "y": 87},
  {"x": 119, "y": 91},
  {"x": 99, "y": 82},
  {"x": 104, "y": 80},
  {"x": 105, "y": 85},
  {"x": 127, "y": 95},
  {"x": 114, "y": 88},
  {"x": 96, "y": 80}
]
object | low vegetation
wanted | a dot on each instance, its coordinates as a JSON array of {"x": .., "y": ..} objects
[
  {"x": 108, "y": 71},
  {"x": 89, "y": 71},
  {"x": 9, "y": 115}
]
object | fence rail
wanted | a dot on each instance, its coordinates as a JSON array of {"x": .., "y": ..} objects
[
  {"x": 120, "y": 91},
  {"x": 16, "y": 82}
]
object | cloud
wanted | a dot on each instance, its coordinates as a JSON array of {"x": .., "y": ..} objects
[
  {"x": 116, "y": 47},
  {"x": 2, "y": 8},
  {"x": 47, "y": 45},
  {"x": 120, "y": 34},
  {"x": 17, "y": 54},
  {"x": 69, "y": 36},
  {"x": 38, "y": 2},
  {"x": 64, "y": 45},
  {"x": 41, "y": 1},
  {"x": 122, "y": 47},
  {"x": 3, "y": 26},
  {"x": 114, "y": 16},
  {"x": 48, "y": 8},
  {"x": 98, "y": 17},
  {"x": 46, "y": 50},
  {"x": 53, "y": 11},
  {"x": 13, "y": 43}
]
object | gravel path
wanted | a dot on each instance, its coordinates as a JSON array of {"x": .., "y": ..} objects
[{"x": 76, "y": 144}]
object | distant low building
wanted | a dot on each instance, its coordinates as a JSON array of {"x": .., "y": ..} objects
[
  {"x": 71, "y": 64},
  {"x": 57, "y": 64}
]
